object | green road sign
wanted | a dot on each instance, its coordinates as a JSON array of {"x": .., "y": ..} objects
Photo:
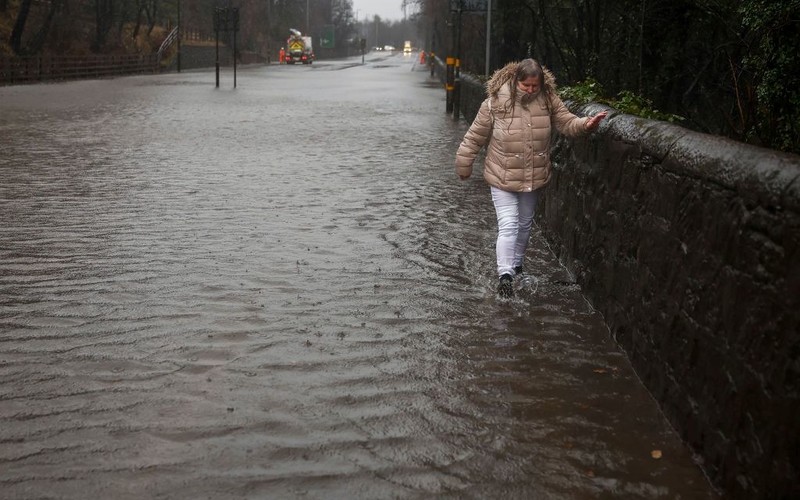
[{"x": 326, "y": 41}]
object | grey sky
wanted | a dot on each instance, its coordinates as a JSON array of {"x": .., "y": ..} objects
[{"x": 387, "y": 9}]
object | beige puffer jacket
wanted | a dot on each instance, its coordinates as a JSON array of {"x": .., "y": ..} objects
[{"x": 517, "y": 137}]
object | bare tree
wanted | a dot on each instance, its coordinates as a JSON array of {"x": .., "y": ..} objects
[
  {"x": 37, "y": 40},
  {"x": 19, "y": 27},
  {"x": 104, "y": 18}
]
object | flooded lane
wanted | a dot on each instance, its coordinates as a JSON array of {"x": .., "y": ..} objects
[{"x": 283, "y": 291}]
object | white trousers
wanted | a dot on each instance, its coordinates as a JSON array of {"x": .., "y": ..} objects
[{"x": 514, "y": 219}]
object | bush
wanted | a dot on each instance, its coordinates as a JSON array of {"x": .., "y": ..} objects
[{"x": 626, "y": 101}]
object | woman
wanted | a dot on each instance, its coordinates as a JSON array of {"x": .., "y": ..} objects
[{"x": 514, "y": 123}]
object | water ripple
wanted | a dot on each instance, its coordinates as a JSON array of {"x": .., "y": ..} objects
[{"x": 283, "y": 292}]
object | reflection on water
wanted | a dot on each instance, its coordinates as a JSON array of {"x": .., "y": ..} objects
[{"x": 284, "y": 291}]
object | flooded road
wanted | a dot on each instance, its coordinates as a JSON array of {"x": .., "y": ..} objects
[{"x": 283, "y": 291}]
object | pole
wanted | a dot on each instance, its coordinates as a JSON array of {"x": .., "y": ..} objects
[
  {"x": 217, "y": 56},
  {"x": 234, "y": 56},
  {"x": 450, "y": 74},
  {"x": 457, "y": 69},
  {"x": 488, "y": 35},
  {"x": 457, "y": 90},
  {"x": 458, "y": 42},
  {"x": 449, "y": 84},
  {"x": 432, "y": 54},
  {"x": 179, "y": 36}
]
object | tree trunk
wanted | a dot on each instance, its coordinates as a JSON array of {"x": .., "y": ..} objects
[
  {"x": 138, "y": 22},
  {"x": 38, "y": 41},
  {"x": 104, "y": 18},
  {"x": 19, "y": 27},
  {"x": 152, "y": 14}
]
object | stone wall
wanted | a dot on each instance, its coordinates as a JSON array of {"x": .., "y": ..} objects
[
  {"x": 205, "y": 56},
  {"x": 689, "y": 245},
  {"x": 198, "y": 56}
]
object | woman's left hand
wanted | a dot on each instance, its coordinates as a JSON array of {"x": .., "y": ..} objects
[{"x": 594, "y": 122}]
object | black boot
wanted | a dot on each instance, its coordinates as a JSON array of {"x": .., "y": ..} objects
[
  {"x": 518, "y": 270},
  {"x": 506, "y": 287}
]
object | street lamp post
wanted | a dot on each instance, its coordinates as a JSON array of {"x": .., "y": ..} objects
[{"x": 488, "y": 35}]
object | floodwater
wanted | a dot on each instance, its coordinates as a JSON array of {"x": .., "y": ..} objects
[{"x": 283, "y": 291}]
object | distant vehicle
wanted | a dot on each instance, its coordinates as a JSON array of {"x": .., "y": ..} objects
[
  {"x": 389, "y": 48},
  {"x": 407, "y": 47},
  {"x": 299, "y": 48}
]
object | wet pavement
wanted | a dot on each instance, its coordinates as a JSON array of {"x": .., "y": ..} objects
[{"x": 283, "y": 291}]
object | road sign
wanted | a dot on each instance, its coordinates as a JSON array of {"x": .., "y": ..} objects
[
  {"x": 226, "y": 19},
  {"x": 326, "y": 40}
]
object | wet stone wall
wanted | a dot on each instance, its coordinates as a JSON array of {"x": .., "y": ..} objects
[
  {"x": 689, "y": 245},
  {"x": 193, "y": 57}
]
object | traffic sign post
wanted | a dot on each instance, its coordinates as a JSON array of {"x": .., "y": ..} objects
[
  {"x": 454, "y": 67},
  {"x": 226, "y": 19},
  {"x": 459, "y": 6}
]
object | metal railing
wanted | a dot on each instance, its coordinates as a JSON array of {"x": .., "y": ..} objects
[
  {"x": 167, "y": 43},
  {"x": 30, "y": 69}
]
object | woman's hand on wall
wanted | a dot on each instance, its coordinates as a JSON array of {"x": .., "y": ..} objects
[{"x": 594, "y": 122}]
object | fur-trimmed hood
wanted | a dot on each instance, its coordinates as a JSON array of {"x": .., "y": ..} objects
[{"x": 505, "y": 75}]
